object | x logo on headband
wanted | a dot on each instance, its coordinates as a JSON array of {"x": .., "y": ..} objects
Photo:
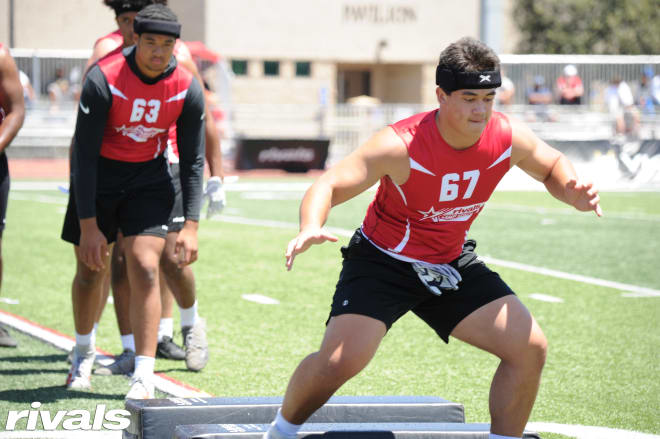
[{"x": 484, "y": 78}]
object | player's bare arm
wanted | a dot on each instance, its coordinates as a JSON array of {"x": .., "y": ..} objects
[
  {"x": 11, "y": 99},
  {"x": 383, "y": 154},
  {"x": 553, "y": 169},
  {"x": 101, "y": 49}
]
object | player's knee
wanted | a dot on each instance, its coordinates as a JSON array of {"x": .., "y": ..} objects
[
  {"x": 169, "y": 264},
  {"x": 146, "y": 270},
  {"x": 536, "y": 350},
  {"x": 88, "y": 279}
]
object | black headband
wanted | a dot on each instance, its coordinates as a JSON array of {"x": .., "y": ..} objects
[
  {"x": 127, "y": 7},
  {"x": 451, "y": 81},
  {"x": 142, "y": 25}
]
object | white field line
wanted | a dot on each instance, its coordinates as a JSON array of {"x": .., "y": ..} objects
[
  {"x": 65, "y": 343},
  {"x": 641, "y": 291},
  {"x": 586, "y": 432},
  {"x": 568, "y": 211},
  {"x": 258, "y": 190},
  {"x": 546, "y": 298},
  {"x": 637, "y": 290}
]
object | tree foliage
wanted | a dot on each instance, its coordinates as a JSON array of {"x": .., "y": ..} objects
[{"x": 625, "y": 27}]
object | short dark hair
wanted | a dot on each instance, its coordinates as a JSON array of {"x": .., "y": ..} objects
[
  {"x": 468, "y": 55},
  {"x": 157, "y": 12},
  {"x": 121, "y": 6}
]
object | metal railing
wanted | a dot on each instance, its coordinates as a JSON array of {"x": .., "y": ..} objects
[{"x": 349, "y": 125}]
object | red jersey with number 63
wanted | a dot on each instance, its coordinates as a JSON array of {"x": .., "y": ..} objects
[
  {"x": 141, "y": 114},
  {"x": 117, "y": 38},
  {"x": 428, "y": 217}
]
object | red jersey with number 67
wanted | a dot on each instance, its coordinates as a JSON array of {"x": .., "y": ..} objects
[
  {"x": 141, "y": 114},
  {"x": 428, "y": 217}
]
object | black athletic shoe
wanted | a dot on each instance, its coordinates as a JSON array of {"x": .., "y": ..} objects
[
  {"x": 168, "y": 349},
  {"x": 7, "y": 341}
]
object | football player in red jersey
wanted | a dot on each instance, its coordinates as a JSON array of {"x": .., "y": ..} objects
[
  {"x": 174, "y": 278},
  {"x": 436, "y": 171},
  {"x": 121, "y": 181},
  {"x": 12, "y": 114}
]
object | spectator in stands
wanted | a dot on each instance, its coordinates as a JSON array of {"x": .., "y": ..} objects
[
  {"x": 540, "y": 96},
  {"x": 569, "y": 86},
  {"x": 649, "y": 90},
  {"x": 505, "y": 92},
  {"x": 644, "y": 96},
  {"x": 12, "y": 114},
  {"x": 28, "y": 91},
  {"x": 621, "y": 105},
  {"x": 58, "y": 88}
]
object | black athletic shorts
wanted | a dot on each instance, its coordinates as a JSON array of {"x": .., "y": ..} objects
[
  {"x": 375, "y": 284},
  {"x": 4, "y": 190},
  {"x": 140, "y": 211},
  {"x": 176, "y": 220}
]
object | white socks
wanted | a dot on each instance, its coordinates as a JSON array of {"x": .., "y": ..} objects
[
  {"x": 144, "y": 366},
  {"x": 165, "y": 328},
  {"x": 188, "y": 315},
  {"x": 497, "y": 436},
  {"x": 128, "y": 342},
  {"x": 284, "y": 427},
  {"x": 85, "y": 342}
]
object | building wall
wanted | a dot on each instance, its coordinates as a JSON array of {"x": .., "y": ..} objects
[
  {"x": 343, "y": 31},
  {"x": 61, "y": 24},
  {"x": 4, "y": 22},
  {"x": 397, "y": 41},
  {"x": 191, "y": 15}
]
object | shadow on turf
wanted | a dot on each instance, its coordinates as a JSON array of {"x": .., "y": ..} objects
[
  {"x": 52, "y": 394},
  {"x": 34, "y": 358}
]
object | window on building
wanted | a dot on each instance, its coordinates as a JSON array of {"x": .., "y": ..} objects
[
  {"x": 239, "y": 67},
  {"x": 303, "y": 68},
  {"x": 271, "y": 68}
]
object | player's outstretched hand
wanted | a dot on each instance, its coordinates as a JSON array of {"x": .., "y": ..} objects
[
  {"x": 304, "y": 240},
  {"x": 583, "y": 196},
  {"x": 215, "y": 192}
]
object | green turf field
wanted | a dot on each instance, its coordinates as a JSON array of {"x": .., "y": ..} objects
[{"x": 603, "y": 367}]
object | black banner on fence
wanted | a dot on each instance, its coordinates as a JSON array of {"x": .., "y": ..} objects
[{"x": 292, "y": 155}]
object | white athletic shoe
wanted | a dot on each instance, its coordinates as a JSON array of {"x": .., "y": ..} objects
[
  {"x": 81, "y": 371},
  {"x": 141, "y": 388},
  {"x": 196, "y": 346}
]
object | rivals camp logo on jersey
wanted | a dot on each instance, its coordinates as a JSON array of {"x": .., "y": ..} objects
[
  {"x": 139, "y": 133},
  {"x": 463, "y": 213}
]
